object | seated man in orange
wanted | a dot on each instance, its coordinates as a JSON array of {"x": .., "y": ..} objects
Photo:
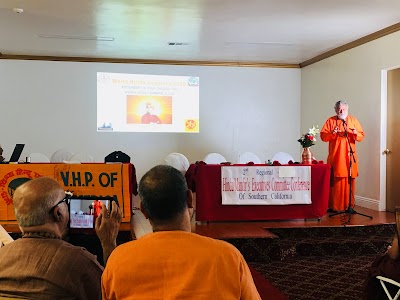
[
  {"x": 342, "y": 131},
  {"x": 172, "y": 262},
  {"x": 40, "y": 265}
]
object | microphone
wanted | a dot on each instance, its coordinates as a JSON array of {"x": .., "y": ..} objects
[{"x": 344, "y": 122}]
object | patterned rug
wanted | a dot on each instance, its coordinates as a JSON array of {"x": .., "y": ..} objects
[
  {"x": 316, "y": 277},
  {"x": 316, "y": 263},
  {"x": 266, "y": 290},
  {"x": 329, "y": 241}
]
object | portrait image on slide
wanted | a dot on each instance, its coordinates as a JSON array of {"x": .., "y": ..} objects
[{"x": 149, "y": 109}]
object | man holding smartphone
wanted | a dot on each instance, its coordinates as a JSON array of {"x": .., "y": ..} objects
[{"x": 41, "y": 264}]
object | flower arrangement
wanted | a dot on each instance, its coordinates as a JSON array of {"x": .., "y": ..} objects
[{"x": 308, "y": 139}]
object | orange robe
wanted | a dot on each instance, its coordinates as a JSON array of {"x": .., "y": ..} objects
[
  {"x": 177, "y": 265},
  {"x": 339, "y": 159}
]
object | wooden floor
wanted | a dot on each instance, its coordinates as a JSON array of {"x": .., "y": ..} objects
[{"x": 247, "y": 229}]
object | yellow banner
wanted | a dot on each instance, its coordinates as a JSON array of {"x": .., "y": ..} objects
[{"x": 81, "y": 179}]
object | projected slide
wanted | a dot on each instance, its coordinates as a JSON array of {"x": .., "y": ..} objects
[{"x": 147, "y": 103}]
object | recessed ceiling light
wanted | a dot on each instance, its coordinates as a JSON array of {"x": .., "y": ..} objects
[
  {"x": 73, "y": 37},
  {"x": 18, "y": 10}
]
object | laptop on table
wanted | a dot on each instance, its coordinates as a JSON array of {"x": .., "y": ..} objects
[{"x": 16, "y": 154}]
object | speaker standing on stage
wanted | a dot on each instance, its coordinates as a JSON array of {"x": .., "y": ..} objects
[{"x": 342, "y": 131}]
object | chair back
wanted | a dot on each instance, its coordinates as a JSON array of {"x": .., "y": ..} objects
[
  {"x": 61, "y": 155},
  {"x": 178, "y": 161},
  {"x": 214, "y": 158},
  {"x": 248, "y": 157},
  {"x": 282, "y": 157},
  {"x": 383, "y": 280},
  {"x": 5, "y": 238}
]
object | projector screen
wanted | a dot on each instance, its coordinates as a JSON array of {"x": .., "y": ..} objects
[{"x": 147, "y": 103}]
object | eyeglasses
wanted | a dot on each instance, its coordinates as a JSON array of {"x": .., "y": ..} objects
[{"x": 66, "y": 199}]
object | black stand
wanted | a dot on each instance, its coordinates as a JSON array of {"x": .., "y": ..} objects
[{"x": 350, "y": 210}]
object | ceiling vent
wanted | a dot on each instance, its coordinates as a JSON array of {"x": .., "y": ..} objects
[
  {"x": 74, "y": 37},
  {"x": 177, "y": 44},
  {"x": 278, "y": 44}
]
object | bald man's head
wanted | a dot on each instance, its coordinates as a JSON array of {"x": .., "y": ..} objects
[{"x": 34, "y": 199}]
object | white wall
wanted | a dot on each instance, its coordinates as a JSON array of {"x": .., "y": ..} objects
[
  {"x": 52, "y": 105},
  {"x": 355, "y": 76}
]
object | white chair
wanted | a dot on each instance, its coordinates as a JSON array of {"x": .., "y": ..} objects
[
  {"x": 178, "y": 161},
  {"x": 39, "y": 158},
  {"x": 61, "y": 155},
  {"x": 214, "y": 158},
  {"x": 391, "y": 281},
  {"x": 282, "y": 157},
  {"x": 248, "y": 157},
  {"x": 81, "y": 157},
  {"x": 5, "y": 238}
]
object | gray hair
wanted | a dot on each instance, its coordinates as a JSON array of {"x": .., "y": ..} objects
[
  {"x": 163, "y": 191},
  {"x": 33, "y": 201},
  {"x": 340, "y": 102}
]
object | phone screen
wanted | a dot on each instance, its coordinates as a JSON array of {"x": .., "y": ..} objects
[{"x": 83, "y": 212}]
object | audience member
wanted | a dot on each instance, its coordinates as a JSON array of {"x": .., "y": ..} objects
[
  {"x": 1, "y": 154},
  {"x": 386, "y": 265},
  {"x": 40, "y": 265},
  {"x": 172, "y": 262}
]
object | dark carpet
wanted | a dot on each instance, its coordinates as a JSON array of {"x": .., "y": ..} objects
[
  {"x": 265, "y": 288},
  {"x": 317, "y": 262},
  {"x": 318, "y": 277}
]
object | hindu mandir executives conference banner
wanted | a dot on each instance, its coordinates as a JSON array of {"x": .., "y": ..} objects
[{"x": 265, "y": 185}]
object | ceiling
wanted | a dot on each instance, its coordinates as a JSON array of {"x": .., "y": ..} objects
[{"x": 269, "y": 31}]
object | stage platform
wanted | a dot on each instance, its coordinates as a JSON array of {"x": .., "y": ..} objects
[{"x": 259, "y": 229}]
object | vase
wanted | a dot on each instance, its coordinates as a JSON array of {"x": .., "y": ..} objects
[{"x": 306, "y": 156}]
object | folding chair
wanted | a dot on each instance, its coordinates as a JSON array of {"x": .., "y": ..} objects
[{"x": 391, "y": 281}]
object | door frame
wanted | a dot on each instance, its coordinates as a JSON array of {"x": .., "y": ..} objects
[{"x": 383, "y": 141}]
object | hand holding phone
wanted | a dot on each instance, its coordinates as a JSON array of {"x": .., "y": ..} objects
[{"x": 107, "y": 223}]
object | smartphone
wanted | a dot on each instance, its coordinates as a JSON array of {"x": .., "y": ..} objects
[{"x": 83, "y": 210}]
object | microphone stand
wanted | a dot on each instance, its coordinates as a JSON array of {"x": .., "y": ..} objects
[{"x": 350, "y": 210}]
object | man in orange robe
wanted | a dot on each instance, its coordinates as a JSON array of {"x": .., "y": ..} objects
[
  {"x": 172, "y": 262},
  {"x": 342, "y": 131}
]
